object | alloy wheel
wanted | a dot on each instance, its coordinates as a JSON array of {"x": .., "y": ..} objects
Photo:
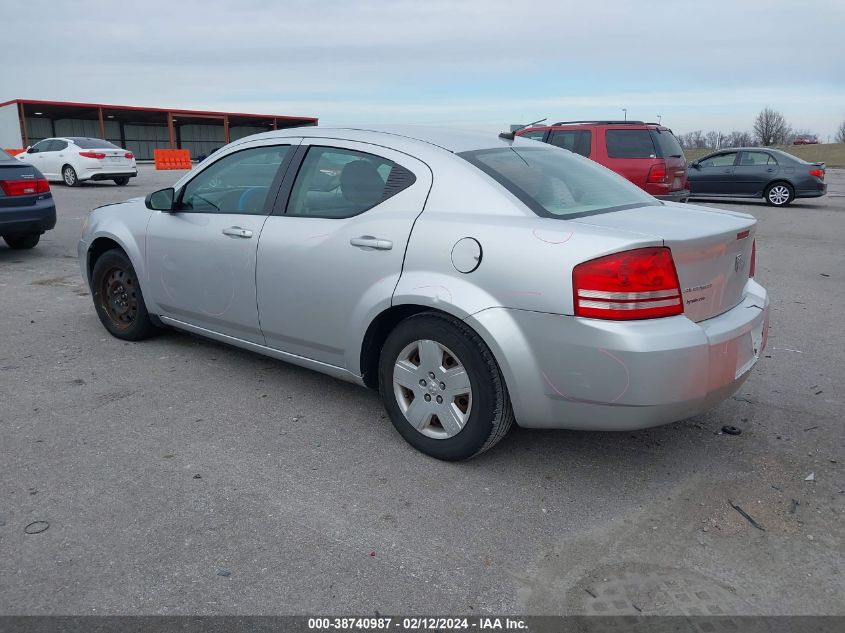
[
  {"x": 779, "y": 195},
  {"x": 432, "y": 389},
  {"x": 70, "y": 176}
]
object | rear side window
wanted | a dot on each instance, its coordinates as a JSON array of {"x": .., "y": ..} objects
[
  {"x": 577, "y": 141},
  {"x": 341, "y": 183},
  {"x": 630, "y": 144},
  {"x": 558, "y": 184},
  {"x": 756, "y": 158},
  {"x": 94, "y": 143},
  {"x": 58, "y": 146},
  {"x": 667, "y": 144}
]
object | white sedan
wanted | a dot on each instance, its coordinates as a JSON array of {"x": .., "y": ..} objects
[{"x": 73, "y": 159}]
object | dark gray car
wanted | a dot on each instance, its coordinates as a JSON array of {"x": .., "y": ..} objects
[{"x": 756, "y": 172}]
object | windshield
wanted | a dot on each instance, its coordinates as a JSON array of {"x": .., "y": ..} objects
[
  {"x": 556, "y": 183},
  {"x": 94, "y": 143}
]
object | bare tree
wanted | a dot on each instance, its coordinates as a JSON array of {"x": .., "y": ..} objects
[
  {"x": 840, "y": 133},
  {"x": 771, "y": 128},
  {"x": 714, "y": 139},
  {"x": 738, "y": 139}
]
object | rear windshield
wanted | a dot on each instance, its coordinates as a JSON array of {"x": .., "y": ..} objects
[
  {"x": 558, "y": 184},
  {"x": 667, "y": 144},
  {"x": 630, "y": 144},
  {"x": 94, "y": 143}
]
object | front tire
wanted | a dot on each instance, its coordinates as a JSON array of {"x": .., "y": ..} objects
[
  {"x": 122, "y": 181},
  {"x": 779, "y": 194},
  {"x": 118, "y": 299},
  {"x": 22, "y": 241},
  {"x": 69, "y": 176},
  {"x": 442, "y": 388}
]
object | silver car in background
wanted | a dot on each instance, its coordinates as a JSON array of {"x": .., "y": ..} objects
[{"x": 475, "y": 280}]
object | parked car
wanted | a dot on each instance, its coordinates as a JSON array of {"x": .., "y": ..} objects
[
  {"x": 73, "y": 160},
  {"x": 647, "y": 154},
  {"x": 756, "y": 172},
  {"x": 26, "y": 204},
  {"x": 805, "y": 139},
  {"x": 475, "y": 281}
]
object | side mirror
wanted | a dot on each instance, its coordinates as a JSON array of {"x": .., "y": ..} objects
[
  {"x": 29, "y": 150},
  {"x": 161, "y": 200},
  {"x": 695, "y": 164}
]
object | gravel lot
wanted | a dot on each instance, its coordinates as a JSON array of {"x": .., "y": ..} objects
[{"x": 163, "y": 465}]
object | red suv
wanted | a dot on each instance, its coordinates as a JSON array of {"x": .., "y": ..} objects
[{"x": 647, "y": 154}]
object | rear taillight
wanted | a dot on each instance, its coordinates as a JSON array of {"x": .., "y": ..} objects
[
  {"x": 657, "y": 173},
  {"x": 129, "y": 155},
  {"x": 24, "y": 187},
  {"x": 818, "y": 173},
  {"x": 753, "y": 265},
  {"x": 96, "y": 155},
  {"x": 638, "y": 284}
]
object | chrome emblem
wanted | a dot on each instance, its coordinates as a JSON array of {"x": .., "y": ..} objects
[{"x": 738, "y": 262}]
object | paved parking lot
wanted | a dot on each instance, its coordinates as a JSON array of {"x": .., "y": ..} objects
[{"x": 181, "y": 476}]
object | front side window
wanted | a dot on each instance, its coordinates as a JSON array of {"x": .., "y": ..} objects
[
  {"x": 630, "y": 144},
  {"x": 577, "y": 141},
  {"x": 719, "y": 160},
  {"x": 41, "y": 146},
  {"x": 558, "y": 184},
  {"x": 237, "y": 183},
  {"x": 341, "y": 183}
]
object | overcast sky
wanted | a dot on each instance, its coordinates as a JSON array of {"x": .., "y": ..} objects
[{"x": 701, "y": 64}]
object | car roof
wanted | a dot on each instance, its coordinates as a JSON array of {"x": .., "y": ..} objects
[{"x": 451, "y": 139}]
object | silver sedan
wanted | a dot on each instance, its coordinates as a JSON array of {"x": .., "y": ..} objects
[{"x": 474, "y": 280}]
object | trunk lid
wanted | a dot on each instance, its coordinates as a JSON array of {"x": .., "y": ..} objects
[
  {"x": 711, "y": 250},
  {"x": 114, "y": 157}
]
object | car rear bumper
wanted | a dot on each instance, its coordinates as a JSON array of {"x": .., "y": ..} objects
[
  {"x": 681, "y": 195},
  {"x": 34, "y": 218},
  {"x": 590, "y": 374},
  {"x": 110, "y": 175},
  {"x": 815, "y": 192}
]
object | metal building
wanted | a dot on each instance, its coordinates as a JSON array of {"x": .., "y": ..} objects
[{"x": 24, "y": 122}]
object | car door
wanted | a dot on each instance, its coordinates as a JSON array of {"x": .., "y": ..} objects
[
  {"x": 753, "y": 171},
  {"x": 201, "y": 257},
  {"x": 53, "y": 158},
  {"x": 331, "y": 254},
  {"x": 35, "y": 155},
  {"x": 713, "y": 175}
]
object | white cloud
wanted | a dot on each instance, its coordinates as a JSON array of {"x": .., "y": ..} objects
[{"x": 478, "y": 62}]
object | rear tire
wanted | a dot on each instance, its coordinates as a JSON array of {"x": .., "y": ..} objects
[
  {"x": 21, "y": 241},
  {"x": 69, "y": 176},
  {"x": 467, "y": 389},
  {"x": 120, "y": 182},
  {"x": 779, "y": 194},
  {"x": 118, "y": 299}
]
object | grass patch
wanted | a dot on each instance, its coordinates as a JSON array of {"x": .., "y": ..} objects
[{"x": 832, "y": 154}]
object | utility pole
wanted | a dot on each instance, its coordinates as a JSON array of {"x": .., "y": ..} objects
[
  {"x": 625, "y": 113},
  {"x": 659, "y": 119}
]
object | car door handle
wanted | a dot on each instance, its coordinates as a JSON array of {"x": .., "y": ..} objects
[
  {"x": 236, "y": 231},
  {"x": 368, "y": 241},
  {"x": 770, "y": 169}
]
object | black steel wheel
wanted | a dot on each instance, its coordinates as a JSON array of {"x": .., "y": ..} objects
[{"x": 118, "y": 298}]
